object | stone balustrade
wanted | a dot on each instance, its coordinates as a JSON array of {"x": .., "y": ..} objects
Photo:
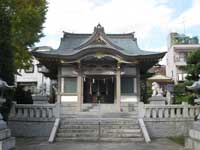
[
  {"x": 34, "y": 111},
  {"x": 168, "y": 111}
]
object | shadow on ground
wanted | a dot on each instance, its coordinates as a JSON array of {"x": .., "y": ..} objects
[{"x": 42, "y": 144}]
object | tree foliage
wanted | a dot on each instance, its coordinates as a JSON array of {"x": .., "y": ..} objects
[
  {"x": 182, "y": 94},
  {"x": 193, "y": 65},
  {"x": 27, "y": 19},
  {"x": 6, "y": 53},
  {"x": 20, "y": 27},
  {"x": 193, "y": 71}
]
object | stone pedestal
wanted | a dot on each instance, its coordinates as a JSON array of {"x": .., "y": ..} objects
[
  {"x": 193, "y": 141},
  {"x": 6, "y": 141},
  {"x": 158, "y": 100}
]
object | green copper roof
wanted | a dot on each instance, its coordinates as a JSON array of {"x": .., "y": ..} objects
[{"x": 73, "y": 44}]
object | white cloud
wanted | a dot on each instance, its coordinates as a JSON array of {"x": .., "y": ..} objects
[
  {"x": 189, "y": 18},
  {"x": 116, "y": 16}
]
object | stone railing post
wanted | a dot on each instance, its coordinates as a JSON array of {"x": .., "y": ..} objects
[
  {"x": 39, "y": 111},
  {"x": 13, "y": 111},
  {"x": 57, "y": 110},
  {"x": 141, "y": 110},
  {"x": 185, "y": 109}
]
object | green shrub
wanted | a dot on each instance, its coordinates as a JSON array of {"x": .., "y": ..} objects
[{"x": 182, "y": 94}]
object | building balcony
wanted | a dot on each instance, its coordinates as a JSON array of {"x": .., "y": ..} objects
[{"x": 180, "y": 63}]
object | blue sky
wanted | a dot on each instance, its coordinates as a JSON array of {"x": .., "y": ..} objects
[{"x": 151, "y": 20}]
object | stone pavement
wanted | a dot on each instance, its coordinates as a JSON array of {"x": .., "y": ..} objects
[{"x": 41, "y": 144}]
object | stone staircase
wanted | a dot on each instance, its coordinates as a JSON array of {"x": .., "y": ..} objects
[
  {"x": 113, "y": 127},
  {"x": 90, "y": 107}
]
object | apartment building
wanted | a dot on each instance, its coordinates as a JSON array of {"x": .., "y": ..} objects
[{"x": 179, "y": 47}]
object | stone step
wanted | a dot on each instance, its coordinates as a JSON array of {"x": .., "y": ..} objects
[
  {"x": 65, "y": 117},
  {"x": 78, "y": 134},
  {"x": 89, "y": 126},
  {"x": 103, "y": 130},
  {"x": 100, "y": 115},
  {"x": 117, "y": 126},
  {"x": 113, "y": 127},
  {"x": 97, "y": 121},
  {"x": 95, "y": 139},
  {"x": 121, "y": 140},
  {"x": 95, "y": 126},
  {"x": 112, "y": 135},
  {"x": 119, "y": 131},
  {"x": 78, "y": 139},
  {"x": 90, "y": 108},
  {"x": 123, "y": 121},
  {"x": 77, "y": 130}
]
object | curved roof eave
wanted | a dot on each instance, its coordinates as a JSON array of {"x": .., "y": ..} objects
[{"x": 81, "y": 53}]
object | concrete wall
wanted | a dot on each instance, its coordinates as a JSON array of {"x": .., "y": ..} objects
[
  {"x": 30, "y": 128},
  {"x": 168, "y": 127}
]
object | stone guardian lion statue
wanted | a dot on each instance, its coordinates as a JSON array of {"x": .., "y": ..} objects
[{"x": 157, "y": 91}]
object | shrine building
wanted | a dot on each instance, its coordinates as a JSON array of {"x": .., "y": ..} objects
[{"x": 96, "y": 69}]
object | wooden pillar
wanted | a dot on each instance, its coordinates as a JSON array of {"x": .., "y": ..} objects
[
  {"x": 59, "y": 92},
  {"x": 118, "y": 87},
  {"x": 79, "y": 91},
  {"x": 79, "y": 88},
  {"x": 138, "y": 83}
]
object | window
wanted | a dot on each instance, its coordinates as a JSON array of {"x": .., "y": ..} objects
[
  {"x": 70, "y": 85},
  {"x": 127, "y": 85},
  {"x": 182, "y": 76},
  {"x": 30, "y": 69}
]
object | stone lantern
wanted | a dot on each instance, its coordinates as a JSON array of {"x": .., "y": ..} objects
[{"x": 6, "y": 141}]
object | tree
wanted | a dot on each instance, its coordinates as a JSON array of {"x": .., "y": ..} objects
[
  {"x": 20, "y": 27},
  {"x": 6, "y": 53},
  {"x": 27, "y": 19},
  {"x": 193, "y": 65},
  {"x": 193, "y": 71},
  {"x": 182, "y": 94},
  {"x": 24, "y": 27}
]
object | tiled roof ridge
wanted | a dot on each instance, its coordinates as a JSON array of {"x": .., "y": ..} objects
[{"x": 69, "y": 34}]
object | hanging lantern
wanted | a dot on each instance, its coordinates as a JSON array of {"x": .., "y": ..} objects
[
  {"x": 93, "y": 80},
  {"x": 107, "y": 88},
  {"x": 98, "y": 90},
  {"x": 90, "y": 88}
]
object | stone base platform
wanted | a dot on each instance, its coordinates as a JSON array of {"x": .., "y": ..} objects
[
  {"x": 7, "y": 144},
  {"x": 193, "y": 141},
  {"x": 157, "y": 100}
]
